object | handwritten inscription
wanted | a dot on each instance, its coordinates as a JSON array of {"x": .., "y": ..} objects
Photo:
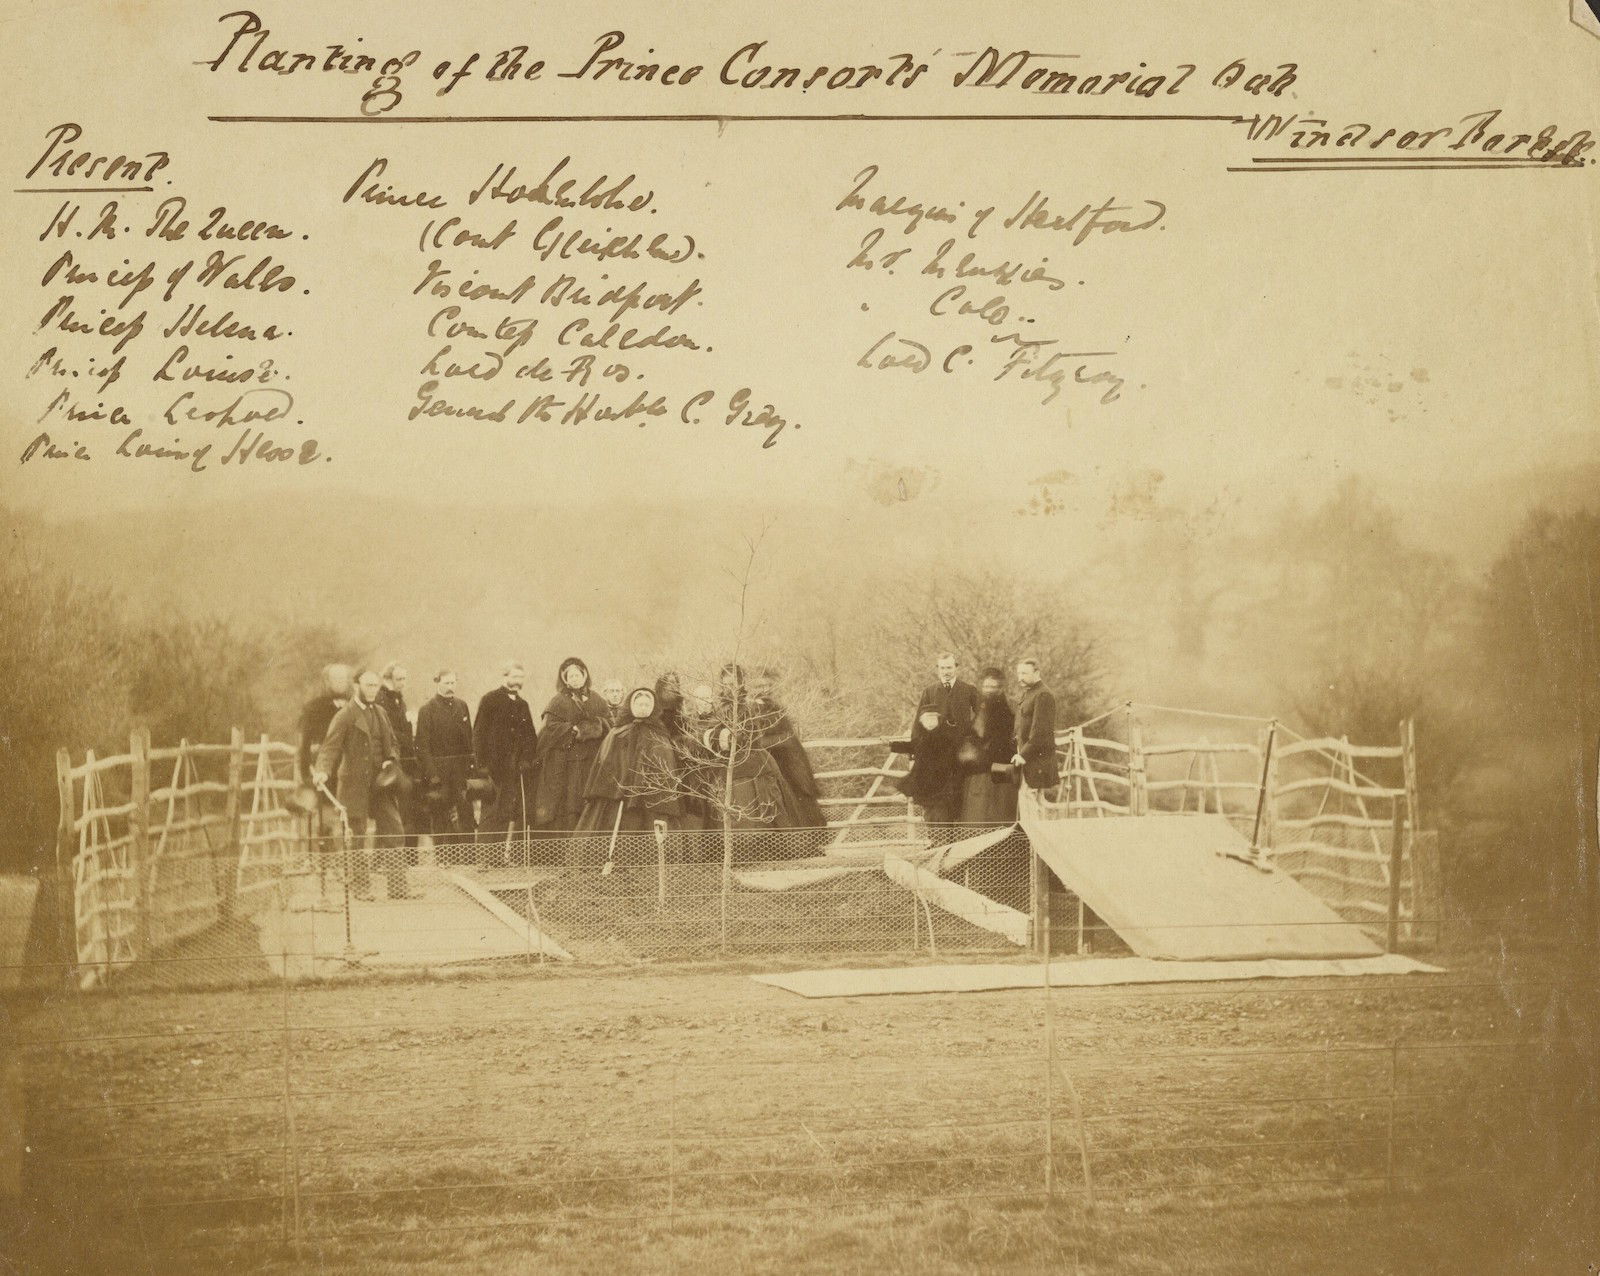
[
  {"x": 249, "y": 46},
  {"x": 151, "y": 302},
  {"x": 989, "y": 297},
  {"x": 547, "y": 297}
]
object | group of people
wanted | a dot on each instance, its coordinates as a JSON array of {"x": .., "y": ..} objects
[
  {"x": 596, "y": 762},
  {"x": 653, "y": 760},
  {"x": 969, "y": 748}
]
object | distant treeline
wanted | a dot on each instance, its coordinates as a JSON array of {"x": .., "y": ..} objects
[{"x": 1336, "y": 618}]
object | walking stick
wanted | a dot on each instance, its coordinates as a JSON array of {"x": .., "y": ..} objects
[
  {"x": 1253, "y": 857},
  {"x": 611, "y": 851},
  {"x": 522, "y": 816},
  {"x": 660, "y": 828},
  {"x": 350, "y": 954}
]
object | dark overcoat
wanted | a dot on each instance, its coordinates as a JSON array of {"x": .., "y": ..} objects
[
  {"x": 988, "y": 796},
  {"x": 444, "y": 744},
  {"x": 359, "y": 741},
  {"x": 800, "y": 790},
  {"x": 505, "y": 740},
  {"x": 1036, "y": 737},
  {"x": 315, "y": 719},
  {"x": 935, "y": 776},
  {"x": 394, "y": 704},
  {"x": 956, "y": 705},
  {"x": 636, "y": 772}
]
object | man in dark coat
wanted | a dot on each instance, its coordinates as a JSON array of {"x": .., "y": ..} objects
[
  {"x": 360, "y": 741},
  {"x": 1036, "y": 729},
  {"x": 392, "y": 700},
  {"x": 315, "y": 718},
  {"x": 612, "y": 691},
  {"x": 943, "y": 719},
  {"x": 318, "y": 713},
  {"x": 444, "y": 758},
  {"x": 506, "y": 744},
  {"x": 953, "y": 698}
]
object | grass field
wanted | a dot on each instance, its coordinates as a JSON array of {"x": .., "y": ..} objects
[{"x": 691, "y": 1119}]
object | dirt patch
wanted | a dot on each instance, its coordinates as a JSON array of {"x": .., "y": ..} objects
[
  {"x": 632, "y": 915},
  {"x": 591, "y": 1122}
]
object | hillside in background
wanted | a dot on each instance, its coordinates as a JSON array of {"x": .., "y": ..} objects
[{"x": 1167, "y": 584}]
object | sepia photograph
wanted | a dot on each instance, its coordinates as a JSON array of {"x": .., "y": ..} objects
[{"x": 742, "y": 638}]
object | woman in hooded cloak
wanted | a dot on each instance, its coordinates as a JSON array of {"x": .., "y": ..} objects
[
  {"x": 635, "y": 784},
  {"x": 575, "y": 722}
]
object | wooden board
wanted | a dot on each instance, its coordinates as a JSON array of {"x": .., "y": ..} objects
[
  {"x": 450, "y": 921},
  {"x": 946, "y": 859},
  {"x": 1162, "y": 884},
  {"x": 781, "y": 879},
  {"x": 969, "y": 906},
  {"x": 1087, "y": 972}
]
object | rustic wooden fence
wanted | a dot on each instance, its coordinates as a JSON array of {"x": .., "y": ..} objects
[
  {"x": 157, "y": 845},
  {"x": 1354, "y": 840}
]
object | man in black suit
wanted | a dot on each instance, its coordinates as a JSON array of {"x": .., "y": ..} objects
[
  {"x": 504, "y": 739},
  {"x": 1036, "y": 730},
  {"x": 444, "y": 756},
  {"x": 392, "y": 700},
  {"x": 943, "y": 718}
]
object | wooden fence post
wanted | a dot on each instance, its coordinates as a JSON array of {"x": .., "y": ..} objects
[
  {"x": 1396, "y": 845},
  {"x": 1039, "y": 902},
  {"x": 66, "y": 888},
  {"x": 1408, "y": 764},
  {"x": 1427, "y": 899},
  {"x": 1138, "y": 794},
  {"x": 139, "y": 834},
  {"x": 224, "y": 869},
  {"x": 1269, "y": 786}
]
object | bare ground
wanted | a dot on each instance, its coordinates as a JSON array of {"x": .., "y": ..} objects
[{"x": 667, "y": 1119}]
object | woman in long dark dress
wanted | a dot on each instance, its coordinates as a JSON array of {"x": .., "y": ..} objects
[
  {"x": 988, "y": 796},
  {"x": 575, "y": 722},
  {"x": 635, "y": 783},
  {"x": 801, "y": 809}
]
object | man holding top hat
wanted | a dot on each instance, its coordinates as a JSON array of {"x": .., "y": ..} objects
[
  {"x": 360, "y": 761},
  {"x": 943, "y": 718}
]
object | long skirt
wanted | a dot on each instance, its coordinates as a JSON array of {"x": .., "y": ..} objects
[{"x": 983, "y": 801}]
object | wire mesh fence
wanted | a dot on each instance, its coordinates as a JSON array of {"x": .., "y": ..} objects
[
  {"x": 338, "y": 908},
  {"x": 216, "y": 860}
]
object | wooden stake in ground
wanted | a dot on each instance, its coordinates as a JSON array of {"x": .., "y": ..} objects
[
  {"x": 611, "y": 850},
  {"x": 660, "y": 830}
]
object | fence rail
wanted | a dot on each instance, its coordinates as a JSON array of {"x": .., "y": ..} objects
[
  {"x": 147, "y": 865},
  {"x": 159, "y": 846},
  {"x": 1304, "y": 801}
]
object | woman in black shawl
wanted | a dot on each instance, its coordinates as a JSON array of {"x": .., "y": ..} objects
[
  {"x": 777, "y": 736},
  {"x": 635, "y": 782},
  {"x": 575, "y": 722},
  {"x": 989, "y": 796},
  {"x": 669, "y": 702}
]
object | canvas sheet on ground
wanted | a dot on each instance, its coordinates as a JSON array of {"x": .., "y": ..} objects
[
  {"x": 1174, "y": 887},
  {"x": 1078, "y": 973}
]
